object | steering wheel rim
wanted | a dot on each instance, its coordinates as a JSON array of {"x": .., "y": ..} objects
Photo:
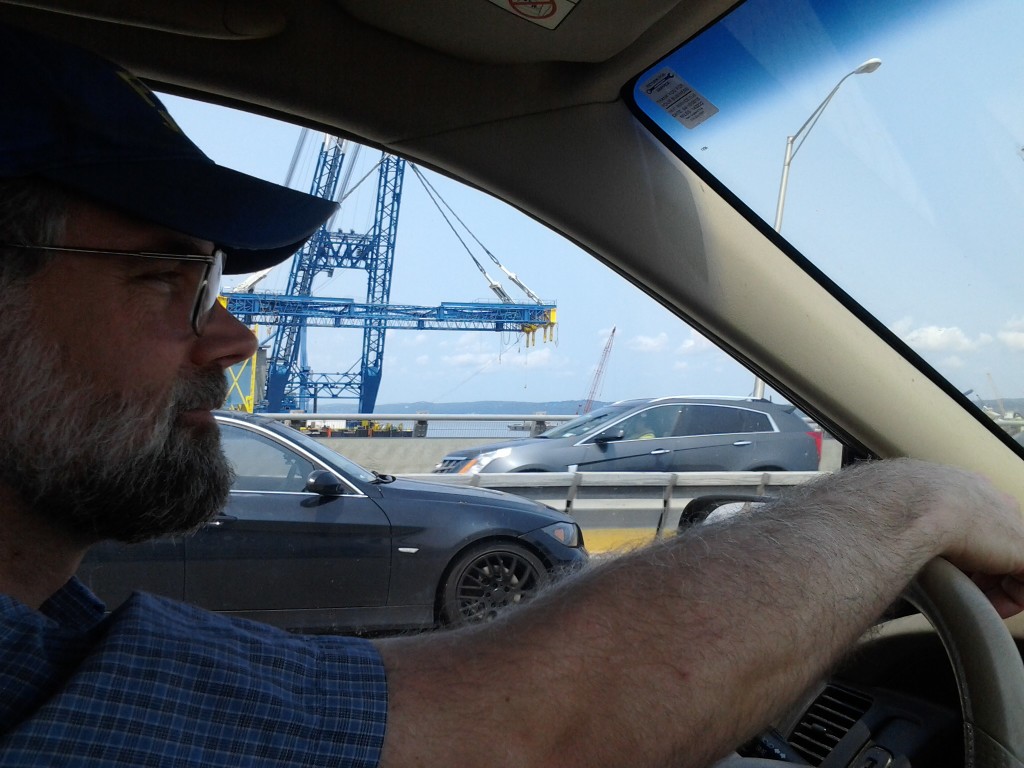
[{"x": 987, "y": 665}]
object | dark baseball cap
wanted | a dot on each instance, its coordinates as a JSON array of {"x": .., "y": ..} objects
[{"x": 72, "y": 117}]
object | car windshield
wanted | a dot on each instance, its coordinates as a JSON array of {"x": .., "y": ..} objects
[
  {"x": 587, "y": 421},
  {"x": 885, "y": 142}
]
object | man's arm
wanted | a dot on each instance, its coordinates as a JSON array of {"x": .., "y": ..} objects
[{"x": 674, "y": 655}]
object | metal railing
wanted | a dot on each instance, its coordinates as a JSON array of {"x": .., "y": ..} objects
[
  {"x": 497, "y": 425},
  {"x": 622, "y": 509}
]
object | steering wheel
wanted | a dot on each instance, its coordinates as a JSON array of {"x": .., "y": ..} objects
[{"x": 987, "y": 665}]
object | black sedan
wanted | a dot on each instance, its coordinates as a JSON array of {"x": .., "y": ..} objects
[{"x": 311, "y": 541}]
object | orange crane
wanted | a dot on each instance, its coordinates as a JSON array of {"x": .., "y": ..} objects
[{"x": 599, "y": 373}]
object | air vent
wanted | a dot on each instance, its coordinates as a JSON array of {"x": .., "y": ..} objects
[{"x": 826, "y": 721}]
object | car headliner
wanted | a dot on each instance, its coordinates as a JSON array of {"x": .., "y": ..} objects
[{"x": 535, "y": 117}]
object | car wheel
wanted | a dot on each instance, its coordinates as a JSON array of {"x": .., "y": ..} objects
[{"x": 489, "y": 578}]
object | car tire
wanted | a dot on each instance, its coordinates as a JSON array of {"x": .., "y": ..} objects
[{"x": 488, "y": 579}]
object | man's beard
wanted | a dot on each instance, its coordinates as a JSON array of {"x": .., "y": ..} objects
[{"x": 105, "y": 465}]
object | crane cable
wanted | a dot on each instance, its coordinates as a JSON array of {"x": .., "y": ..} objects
[
  {"x": 434, "y": 197},
  {"x": 495, "y": 286}
]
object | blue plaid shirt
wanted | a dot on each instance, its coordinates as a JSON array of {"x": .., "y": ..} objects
[{"x": 159, "y": 683}]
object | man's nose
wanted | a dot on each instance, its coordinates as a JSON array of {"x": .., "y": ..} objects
[{"x": 225, "y": 340}]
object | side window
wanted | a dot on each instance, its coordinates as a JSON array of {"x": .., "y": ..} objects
[
  {"x": 753, "y": 421},
  {"x": 261, "y": 464},
  {"x": 721, "y": 420},
  {"x": 650, "y": 423}
]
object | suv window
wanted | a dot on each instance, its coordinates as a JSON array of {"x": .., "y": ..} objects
[
  {"x": 719, "y": 419},
  {"x": 659, "y": 421}
]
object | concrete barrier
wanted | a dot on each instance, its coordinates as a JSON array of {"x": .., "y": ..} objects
[{"x": 399, "y": 455}]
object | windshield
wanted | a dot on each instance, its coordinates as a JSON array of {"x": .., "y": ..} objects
[
  {"x": 588, "y": 421},
  {"x": 317, "y": 449},
  {"x": 885, "y": 142}
]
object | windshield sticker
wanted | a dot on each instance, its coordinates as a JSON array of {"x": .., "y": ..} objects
[
  {"x": 674, "y": 95},
  {"x": 548, "y": 14}
]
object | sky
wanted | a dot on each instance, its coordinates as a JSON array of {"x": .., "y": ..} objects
[
  {"x": 653, "y": 353},
  {"x": 909, "y": 189},
  {"x": 907, "y": 192}
]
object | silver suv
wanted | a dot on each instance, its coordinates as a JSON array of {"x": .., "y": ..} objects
[{"x": 664, "y": 434}]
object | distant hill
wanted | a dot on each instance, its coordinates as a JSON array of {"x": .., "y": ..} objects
[
  {"x": 560, "y": 407},
  {"x": 554, "y": 407}
]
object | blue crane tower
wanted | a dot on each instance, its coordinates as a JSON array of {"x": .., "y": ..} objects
[{"x": 290, "y": 383}]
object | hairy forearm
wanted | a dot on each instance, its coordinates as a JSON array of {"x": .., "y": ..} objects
[{"x": 675, "y": 654}]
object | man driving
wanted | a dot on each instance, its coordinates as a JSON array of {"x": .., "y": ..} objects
[{"x": 114, "y": 231}]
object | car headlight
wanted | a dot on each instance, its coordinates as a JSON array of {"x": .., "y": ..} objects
[
  {"x": 565, "y": 533},
  {"x": 478, "y": 463}
]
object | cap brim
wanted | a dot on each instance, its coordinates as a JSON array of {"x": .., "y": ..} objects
[{"x": 257, "y": 223}]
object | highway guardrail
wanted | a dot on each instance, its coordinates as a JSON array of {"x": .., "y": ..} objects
[{"x": 619, "y": 510}]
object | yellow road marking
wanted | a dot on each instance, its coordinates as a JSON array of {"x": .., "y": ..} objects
[{"x": 601, "y": 541}]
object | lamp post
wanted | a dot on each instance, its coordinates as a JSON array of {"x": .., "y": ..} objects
[{"x": 793, "y": 144}]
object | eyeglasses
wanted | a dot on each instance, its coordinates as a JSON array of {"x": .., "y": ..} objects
[{"x": 206, "y": 292}]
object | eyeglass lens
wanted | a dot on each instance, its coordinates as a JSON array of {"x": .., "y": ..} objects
[{"x": 209, "y": 288}]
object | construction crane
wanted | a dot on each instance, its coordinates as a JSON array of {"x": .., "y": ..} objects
[
  {"x": 595, "y": 385},
  {"x": 290, "y": 382},
  {"x": 999, "y": 398}
]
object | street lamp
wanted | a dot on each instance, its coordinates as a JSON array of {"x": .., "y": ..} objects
[{"x": 793, "y": 144}]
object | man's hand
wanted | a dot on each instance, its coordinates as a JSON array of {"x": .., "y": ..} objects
[{"x": 1006, "y": 593}]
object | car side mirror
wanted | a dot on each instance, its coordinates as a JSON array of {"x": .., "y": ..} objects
[
  {"x": 717, "y": 505},
  {"x": 324, "y": 483},
  {"x": 609, "y": 436}
]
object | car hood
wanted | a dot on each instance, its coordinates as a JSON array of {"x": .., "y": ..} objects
[
  {"x": 475, "y": 450},
  {"x": 444, "y": 493}
]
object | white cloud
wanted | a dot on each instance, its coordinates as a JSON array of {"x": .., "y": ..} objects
[
  {"x": 1012, "y": 334},
  {"x": 902, "y": 326},
  {"x": 933, "y": 338},
  {"x": 1012, "y": 339},
  {"x": 937, "y": 338},
  {"x": 648, "y": 343},
  {"x": 695, "y": 345}
]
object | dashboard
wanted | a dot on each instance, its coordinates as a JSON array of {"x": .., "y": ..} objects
[{"x": 893, "y": 701}]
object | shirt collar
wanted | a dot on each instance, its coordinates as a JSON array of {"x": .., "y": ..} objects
[{"x": 73, "y": 605}]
